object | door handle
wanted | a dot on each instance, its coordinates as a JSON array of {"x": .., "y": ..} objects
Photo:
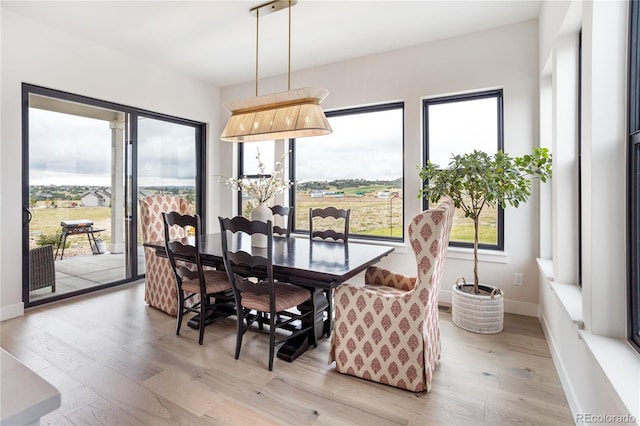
[{"x": 28, "y": 216}]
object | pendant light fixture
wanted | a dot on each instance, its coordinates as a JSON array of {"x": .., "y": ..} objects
[{"x": 291, "y": 114}]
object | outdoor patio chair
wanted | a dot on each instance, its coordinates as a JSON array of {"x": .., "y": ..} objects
[{"x": 42, "y": 271}]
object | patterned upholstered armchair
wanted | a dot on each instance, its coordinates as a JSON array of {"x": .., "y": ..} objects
[
  {"x": 160, "y": 282},
  {"x": 387, "y": 331}
]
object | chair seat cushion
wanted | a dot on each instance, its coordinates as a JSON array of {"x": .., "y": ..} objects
[
  {"x": 216, "y": 282},
  {"x": 287, "y": 296},
  {"x": 383, "y": 289}
]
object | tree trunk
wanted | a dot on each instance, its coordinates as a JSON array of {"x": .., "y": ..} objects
[{"x": 476, "y": 225}]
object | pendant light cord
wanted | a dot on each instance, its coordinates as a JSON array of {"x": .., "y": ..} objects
[
  {"x": 257, "y": 47},
  {"x": 257, "y": 40},
  {"x": 289, "y": 58}
]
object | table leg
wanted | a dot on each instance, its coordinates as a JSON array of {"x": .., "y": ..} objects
[{"x": 63, "y": 237}]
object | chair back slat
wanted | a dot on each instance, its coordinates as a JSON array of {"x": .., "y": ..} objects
[
  {"x": 239, "y": 262},
  {"x": 287, "y": 213},
  {"x": 339, "y": 215},
  {"x": 246, "y": 285},
  {"x": 244, "y": 259}
]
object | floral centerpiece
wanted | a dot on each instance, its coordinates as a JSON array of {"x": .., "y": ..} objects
[
  {"x": 261, "y": 188},
  {"x": 265, "y": 185}
]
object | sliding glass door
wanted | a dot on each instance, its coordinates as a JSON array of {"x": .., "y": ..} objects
[
  {"x": 86, "y": 163},
  {"x": 167, "y": 161}
]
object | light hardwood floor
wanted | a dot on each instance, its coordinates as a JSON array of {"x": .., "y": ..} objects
[{"x": 117, "y": 361}]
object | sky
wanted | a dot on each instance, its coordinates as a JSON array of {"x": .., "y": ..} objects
[
  {"x": 72, "y": 150},
  {"x": 459, "y": 127},
  {"x": 68, "y": 150},
  {"x": 362, "y": 146}
]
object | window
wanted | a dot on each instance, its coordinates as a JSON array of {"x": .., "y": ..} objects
[
  {"x": 358, "y": 166},
  {"x": 248, "y": 168},
  {"x": 456, "y": 125},
  {"x": 634, "y": 175}
]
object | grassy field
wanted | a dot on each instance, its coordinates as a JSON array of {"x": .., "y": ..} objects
[
  {"x": 46, "y": 222},
  {"x": 370, "y": 215},
  {"x": 383, "y": 217}
]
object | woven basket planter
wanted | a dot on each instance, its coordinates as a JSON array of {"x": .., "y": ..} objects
[{"x": 478, "y": 313}]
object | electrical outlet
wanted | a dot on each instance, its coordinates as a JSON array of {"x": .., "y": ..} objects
[{"x": 517, "y": 278}]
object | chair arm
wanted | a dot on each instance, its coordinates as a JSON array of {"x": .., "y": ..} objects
[{"x": 379, "y": 276}]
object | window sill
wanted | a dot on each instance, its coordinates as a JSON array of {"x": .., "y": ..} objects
[
  {"x": 493, "y": 256},
  {"x": 621, "y": 365},
  {"x": 398, "y": 246},
  {"x": 569, "y": 295}
]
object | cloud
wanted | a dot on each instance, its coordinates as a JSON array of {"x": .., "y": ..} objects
[
  {"x": 72, "y": 150},
  {"x": 362, "y": 146}
]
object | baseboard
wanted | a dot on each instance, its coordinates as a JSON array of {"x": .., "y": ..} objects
[
  {"x": 574, "y": 406},
  {"x": 510, "y": 306},
  {"x": 11, "y": 311}
]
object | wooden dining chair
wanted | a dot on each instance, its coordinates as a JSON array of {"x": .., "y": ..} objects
[
  {"x": 207, "y": 289},
  {"x": 287, "y": 215},
  {"x": 329, "y": 223},
  {"x": 328, "y": 227},
  {"x": 259, "y": 298}
]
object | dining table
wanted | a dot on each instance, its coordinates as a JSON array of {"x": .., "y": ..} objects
[{"x": 317, "y": 265}]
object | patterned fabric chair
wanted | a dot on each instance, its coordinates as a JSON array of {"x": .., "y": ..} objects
[
  {"x": 387, "y": 331},
  {"x": 160, "y": 283}
]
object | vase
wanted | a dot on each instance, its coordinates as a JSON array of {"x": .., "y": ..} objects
[
  {"x": 261, "y": 212},
  {"x": 478, "y": 313}
]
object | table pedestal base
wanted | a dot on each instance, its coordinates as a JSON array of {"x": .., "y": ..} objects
[
  {"x": 212, "y": 315},
  {"x": 295, "y": 347}
]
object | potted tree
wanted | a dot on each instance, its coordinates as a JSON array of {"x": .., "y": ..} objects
[{"x": 474, "y": 181}]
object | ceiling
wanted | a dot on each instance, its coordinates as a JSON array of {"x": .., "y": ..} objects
[{"x": 215, "y": 41}]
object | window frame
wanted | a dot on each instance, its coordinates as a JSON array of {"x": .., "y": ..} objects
[
  {"x": 132, "y": 187},
  {"x": 633, "y": 185},
  {"x": 579, "y": 157},
  {"x": 484, "y": 94},
  {"x": 344, "y": 112},
  {"x": 242, "y": 175}
]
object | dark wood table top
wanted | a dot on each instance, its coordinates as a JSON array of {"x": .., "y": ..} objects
[{"x": 298, "y": 260}]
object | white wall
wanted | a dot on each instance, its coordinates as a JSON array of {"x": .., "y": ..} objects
[
  {"x": 37, "y": 54},
  {"x": 506, "y": 57}
]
